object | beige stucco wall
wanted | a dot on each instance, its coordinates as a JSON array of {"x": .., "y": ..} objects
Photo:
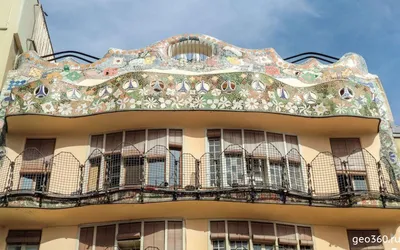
[
  {"x": 196, "y": 234},
  {"x": 328, "y": 237},
  {"x": 3, "y": 235},
  {"x": 60, "y": 238}
]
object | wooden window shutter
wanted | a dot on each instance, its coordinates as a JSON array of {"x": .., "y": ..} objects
[
  {"x": 217, "y": 230},
  {"x": 292, "y": 149},
  {"x": 263, "y": 233},
  {"x": 47, "y": 148},
  {"x": 232, "y": 140},
  {"x": 276, "y": 140},
  {"x": 213, "y": 133},
  {"x": 175, "y": 138},
  {"x": 254, "y": 142},
  {"x": 129, "y": 231},
  {"x": 31, "y": 237},
  {"x": 33, "y": 160},
  {"x": 113, "y": 143},
  {"x": 96, "y": 143},
  {"x": 291, "y": 143},
  {"x": 157, "y": 142},
  {"x": 105, "y": 237},
  {"x": 134, "y": 143},
  {"x": 305, "y": 236},
  {"x": 238, "y": 230},
  {"x": 154, "y": 235},
  {"x": 175, "y": 235},
  {"x": 86, "y": 238},
  {"x": 286, "y": 234},
  {"x": 356, "y": 160}
]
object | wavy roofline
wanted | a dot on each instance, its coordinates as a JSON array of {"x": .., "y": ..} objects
[{"x": 163, "y": 44}]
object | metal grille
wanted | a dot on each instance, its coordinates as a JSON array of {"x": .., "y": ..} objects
[
  {"x": 265, "y": 169},
  {"x": 64, "y": 166},
  {"x": 5, "y": 171}
]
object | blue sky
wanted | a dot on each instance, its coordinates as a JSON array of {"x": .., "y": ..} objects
[{"x": 366, "y": 27}]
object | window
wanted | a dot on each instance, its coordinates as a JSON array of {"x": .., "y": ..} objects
[
  {"x": 286, "y": 237},
  {"x": 214, "y": 149},
  {"x": 86, "y": 238},
  {"x": 112, "y": 153},
  {"x": 217, "y": 235},
  {"x": 238, "y": 235},
  {"x": 133, "y": 150},
  {"x": 353, "y": 175},
  {"x": 23, "y": 239},
  {"x": 175, "y": 147},
  {"x": 175, "y": 235},
  {"x": 305, "y": 238},
  {"x": 263, "y": 236},
  {"x": 130, "y": 236},
  {"x": 124, "y": 164},
  {"x": 35, "y": 170},
  {"x": 264, "y": 159},
  {"x": 154, "y": 235},
  {"x": 355, "y": 243}
]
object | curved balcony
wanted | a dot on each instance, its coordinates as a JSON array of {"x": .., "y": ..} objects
[
  {"x": 264, "y": 175},
  {"x": 339, "y": 102}
]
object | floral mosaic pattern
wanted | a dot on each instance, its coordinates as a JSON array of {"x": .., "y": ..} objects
[
  {"x": 237, "y": 91},
  {"x": 127, "y": 86}
]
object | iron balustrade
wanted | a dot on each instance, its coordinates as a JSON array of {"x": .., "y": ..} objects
[{"x": 234, "y": 171}]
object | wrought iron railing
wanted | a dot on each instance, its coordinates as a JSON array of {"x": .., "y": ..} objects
[{"x": 250, "y": 172}]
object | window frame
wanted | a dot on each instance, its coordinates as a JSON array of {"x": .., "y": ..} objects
[
  {"x": 122, "y": 181},
  {"x": 46, "y": 174},
  {"x": 265, "y": 179},
  {"x": 348, "y": 173},
  {"x": 116, "y": 223},
  {"x": 276, "y": 245}
]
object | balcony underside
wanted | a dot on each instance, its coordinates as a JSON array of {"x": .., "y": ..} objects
[
  {"x": 354, "y": 218},
  {"x": 52, "y": 125}
]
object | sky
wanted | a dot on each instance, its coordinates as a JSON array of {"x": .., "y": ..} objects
[{"x": 366, "y": 27}]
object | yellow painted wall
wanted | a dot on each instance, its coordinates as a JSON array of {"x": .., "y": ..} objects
[
  {"x": 59, "y": 238},
  {"x": 3, "y": 236},
  {"x": 328, "y": 237},
  {"x": 196, "y": 234}
]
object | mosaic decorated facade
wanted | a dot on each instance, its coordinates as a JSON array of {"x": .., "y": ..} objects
[
  {"x": 221, "y": 78},
  {"x": 193, "y": 144}
]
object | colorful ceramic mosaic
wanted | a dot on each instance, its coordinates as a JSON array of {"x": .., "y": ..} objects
[{"x": 228, "y": 78}]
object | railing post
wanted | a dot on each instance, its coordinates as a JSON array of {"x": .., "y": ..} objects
[
  {"x": 11, "y": 180},
  {"x": 349, "y": 189},
  {"x": 142, "y": 179},
  {"x": 10, "y": 183},
  {"x": 175, "y": 195},
  {"x": 310, "y": 188},
  {"x": 81, "y": 169},
  {"x": 107, "y": 177},
  {"x": 217, "y": 166},
  {"x": 382, "y": 184},
  {"x": 197, "y": 178},
  {"x": 250, "y": 162},
  {"x": 285, "y": 183}
]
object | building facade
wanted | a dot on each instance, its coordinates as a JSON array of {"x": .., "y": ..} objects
[
  {"x": 22, "y": 28},
  {"x": 196, "y": 144}
]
